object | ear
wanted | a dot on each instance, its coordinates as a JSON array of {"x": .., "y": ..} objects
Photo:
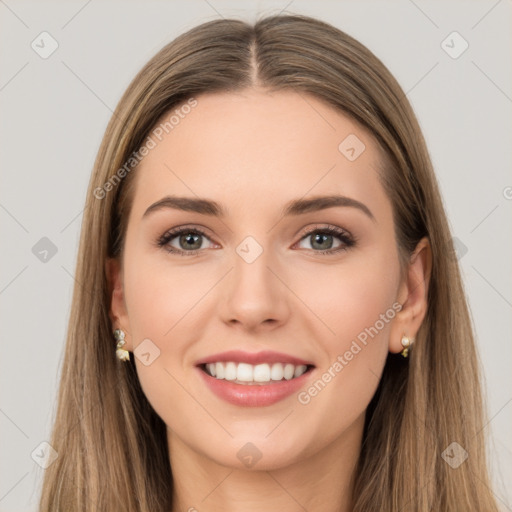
[
  {"x": 412, "y": 295},
  {"x": 118, "y": 313}
]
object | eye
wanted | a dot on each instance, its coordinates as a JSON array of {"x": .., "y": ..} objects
[
  {"x": 189, "y": 241},
  {"x": 322, "y": 239}
]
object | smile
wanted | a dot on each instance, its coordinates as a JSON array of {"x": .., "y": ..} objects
[
  {"x": 243, "y": 373},
  {"x": 247, "y": 385}
]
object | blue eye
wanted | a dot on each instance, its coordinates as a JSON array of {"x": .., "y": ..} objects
[
  {"x": 320, "y": 236},
  {"x": 190, "y": 240}
]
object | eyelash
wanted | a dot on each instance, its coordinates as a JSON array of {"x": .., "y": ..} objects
[{"x": 347, "y": 239}]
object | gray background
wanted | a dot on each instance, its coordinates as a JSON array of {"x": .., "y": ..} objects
[{"x": 54, "y": 112}]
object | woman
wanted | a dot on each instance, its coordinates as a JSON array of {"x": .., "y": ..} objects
[{"x": 266, "y": 252}]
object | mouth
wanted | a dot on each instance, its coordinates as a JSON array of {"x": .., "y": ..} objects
[
  {"x": 254, "y": 379},
  {"x": 254, "y": 374}
]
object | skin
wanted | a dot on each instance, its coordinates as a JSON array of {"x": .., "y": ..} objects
[{"x": 253, "y": 152}]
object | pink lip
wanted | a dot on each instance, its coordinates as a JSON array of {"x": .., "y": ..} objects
[
  {"x": 253, "y": 395},
  {"x": 237, "y": 356}
]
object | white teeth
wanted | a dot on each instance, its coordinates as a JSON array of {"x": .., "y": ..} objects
[
  {"x": 230, "y": 371},
  {"x": 247, "y": 373},
  {"x": 299, "y": 370},
  {"x": 244, "y": 372},
  {"x": 277, "y": 372},
  {"x": 219, "y": 370},
  {"x": 289, "y": 370},
  {"x": 261, "y": 373}
]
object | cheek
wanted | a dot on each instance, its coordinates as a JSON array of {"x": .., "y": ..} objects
[
  {"x": 165, "y": 304},
  {"x": 157, "y": 304},
  {"x": 350, "y": 298},
  {"x": 357, "y": 303},
  {"x": 160, "y": 295}
]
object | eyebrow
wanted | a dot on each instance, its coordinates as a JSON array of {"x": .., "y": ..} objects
[{"x": 294, "y": 207}]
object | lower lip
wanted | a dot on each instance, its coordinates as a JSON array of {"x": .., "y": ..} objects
[{"x": 253, "y": 395}]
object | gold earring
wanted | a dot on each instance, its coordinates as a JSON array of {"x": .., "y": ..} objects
[
  {"x": 121, "y": 353},
  {"x": 406, "y": 343}
]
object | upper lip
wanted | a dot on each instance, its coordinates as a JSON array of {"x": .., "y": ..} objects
[{"x": 238, "y": 356}]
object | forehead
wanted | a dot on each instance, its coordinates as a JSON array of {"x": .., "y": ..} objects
[{"x": 258, "y": 147}]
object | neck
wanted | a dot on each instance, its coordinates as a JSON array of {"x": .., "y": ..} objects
[{"x": 319, "y": 482}]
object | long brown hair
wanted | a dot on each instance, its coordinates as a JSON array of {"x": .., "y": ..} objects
[{"x": 112, "y": 446}]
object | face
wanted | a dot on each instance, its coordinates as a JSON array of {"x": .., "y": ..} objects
[{"x": 271, "y": 286}]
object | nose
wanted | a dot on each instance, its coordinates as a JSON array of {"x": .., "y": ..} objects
[{"x": 255, "y": 296}]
